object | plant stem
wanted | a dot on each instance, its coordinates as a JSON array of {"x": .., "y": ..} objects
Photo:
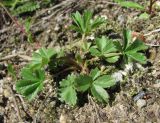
[
  {"x": 151, "y": 6},
  {"x": 83, "y": 37},
  {"x": 82, "y": 44}
]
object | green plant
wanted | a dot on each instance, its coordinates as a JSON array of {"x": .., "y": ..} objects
[
  {"x": 27, "y": 26},
  {"x": 33, "y": 74},
  {"x": 11, "y": 71},
  {"x": 41, "y": 58},
  {"x": 68, "y": 91},
  {"x": 129, "y": 4},
  {"x": 106, "y": 49},
  {"x": 31, "y": 82},
  {"x": 29, "y": 6},
  {"x": 77, "y": 70},
  {"x": 84, "y": 24},
  {"x": 94, "y": 83},
  {"x": 18, "y": 7},
  {"x": 131, "y": 49}
]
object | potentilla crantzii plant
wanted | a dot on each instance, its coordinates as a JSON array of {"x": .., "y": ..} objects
[{"x": 80, "y": 75}]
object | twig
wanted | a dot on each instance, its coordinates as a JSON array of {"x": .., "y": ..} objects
[
  {"x": 27, "y": 58},
  {"x": 65, "y": 70},
  {"x": 152, "y": 45},
  {"x": 64, "y": 3},
  {"x": 154, "y": 31}
]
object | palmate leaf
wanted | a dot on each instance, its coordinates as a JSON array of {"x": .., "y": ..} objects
[
  {"x": 41, "y": 58},
  {"x": 84, "y": 23},
  {"x": 69, "y": 95},
  {"x": 67, "y": 90},
  {"x": 106, "y": 49},
  {"x": 31, "y": 83},
  {"x": 95, "y": 83},
  {"x": 131, "y": 49}
]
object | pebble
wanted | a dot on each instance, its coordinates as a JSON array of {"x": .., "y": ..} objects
[
  {"x": 139, "y": 96},
  {"x": 6, "y": 93},
  {"x": 118, "y": 76},
  {"x": 141, "y": 103}
]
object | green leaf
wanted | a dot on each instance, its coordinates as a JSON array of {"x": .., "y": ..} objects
[
  {"x": 97, "y": 22},
  {"x": 28, "y": 24},
  {"x": 105, "y": 45},
  {"x": 95, "y": 73},
  {"x": 27, "y": 6},
  {"x": 31, "y": 83},
  {"x": 69, "y": 81},
  {"x": 77, "y": 18},
  {"x": 94, "y": 51},
  {"x": 27, "y": 74},
  {"x": 130, "y": 4},
  {"x": 99, "y": 93},
  {"x": 136, "y": 46},
  {"x": 86, "y": 19},
  {"x": 101, "y": 43},
  {"x": 68, "y": 95},
  {"x": 105, "y": 48},
  {"x": 84, "y": 23},
  {"x": 105, "y": 81},
  {"x": 83, "y": 82},
  {"x": 41, "y": 58},
  {"x": 67, "y": 90},
  {"x": 127, "y": 38},
  {"x": 112, "y": 59},
  {"x": 137, "y": 57},
  {"x": 144, "y": 16},
  {"x": 11, "y": 71},
  {"x": 118, "y": 46}
]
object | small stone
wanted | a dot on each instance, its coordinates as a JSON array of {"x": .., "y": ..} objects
[
  {"x": 57, "y": 28},
  {"x": 63, "y": 118},
  {"x": 139, "y": 96},
  {"x": 118, "y": 76},
  {"x": 141, "y": 103},
  {"x": 6, "y": 93}
]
